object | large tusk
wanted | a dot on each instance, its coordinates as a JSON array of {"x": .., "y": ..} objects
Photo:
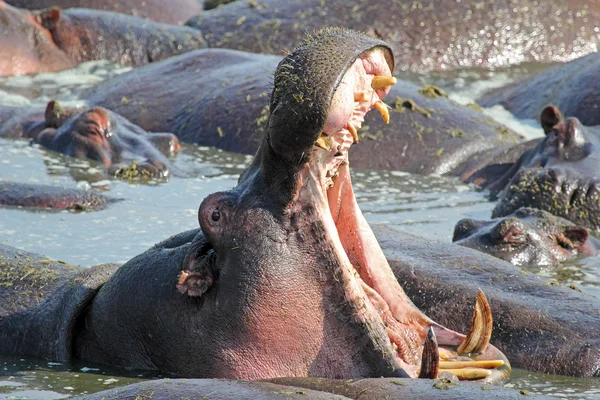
[
  {"x": 353, "y": 132},
  {"x": 469, "y": 373},
  {"x": 383, "y": 110},
  {"x": 471, "y": 364},
  {"x": 479, "y": 335},
  {"x": 324, "y": 142},
  {"x": 379, "y": 81},
  {"x": 430, "y": 361}
]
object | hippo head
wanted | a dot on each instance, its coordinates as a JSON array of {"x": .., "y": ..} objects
[
  {"x": 27, "y": 44},
  {"x": 301, "y": 284},
  {"x": 526, "y": 237},
  {"x": 560, "y": 175},
  {"x": 102, "y": 135}
]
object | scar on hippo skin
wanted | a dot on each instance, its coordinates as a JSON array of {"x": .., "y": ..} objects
[{"x": 527, "y": 237}]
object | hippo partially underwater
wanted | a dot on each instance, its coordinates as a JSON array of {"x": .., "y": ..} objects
[{"x": 285, "y": 278}]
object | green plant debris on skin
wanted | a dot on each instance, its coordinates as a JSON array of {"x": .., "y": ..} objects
[
  {"x": 432, "y": 91},
  {"x": 399, "y": 383},
  {"x": 457, "y": 133},
  {"x": 475, "y": 107},
  {"x": 574, "y": 287},
  {"x": 409, "y": 104},
  {"x": 444, "y": 384},
  {"x": 525, "y": 392},
  {"x": 26, "y": 275},
  {"x": 133, "y": 172}
]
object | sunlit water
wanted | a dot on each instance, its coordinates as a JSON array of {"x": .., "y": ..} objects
[{"x": 149, "y": 213}]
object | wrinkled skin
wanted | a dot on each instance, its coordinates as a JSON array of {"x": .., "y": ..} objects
[
  {"x": 425, "y": 35},
  {"x": 560, "y": 175},
  {"x": 171, "y": 12},
  {"x": 573, "y": 87},
  {"x": 527, "y": 237},
  {"x": 303, "y": 388},
  {"x": 285, "y": 263},
  {"x": 97, "y": 134},
  {"x": 53, "y": 40},
  {"x": 427, "y": 133},
  {"x": 50, "y": 197}
]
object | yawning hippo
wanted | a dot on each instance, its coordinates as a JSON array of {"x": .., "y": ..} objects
[
  {"x": 526, "y": 237},
  {"x": 53, "y": 39},
  {"x": 286, "y": 277}
]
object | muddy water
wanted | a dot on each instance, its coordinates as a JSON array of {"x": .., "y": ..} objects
[{"x": 150, "y": 212}]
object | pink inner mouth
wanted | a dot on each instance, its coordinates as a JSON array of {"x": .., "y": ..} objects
[{"x": 325, "y": 182}]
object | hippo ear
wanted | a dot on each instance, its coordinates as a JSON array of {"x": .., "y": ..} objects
[
  {"x": 49, "y": 17},
  {"x": 53, "y": 114},
  {"x": 549, "y": 117},
  {"x": 573, "y": 237}
]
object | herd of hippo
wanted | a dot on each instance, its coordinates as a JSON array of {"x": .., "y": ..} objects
[{"x": 285, "y": 290}]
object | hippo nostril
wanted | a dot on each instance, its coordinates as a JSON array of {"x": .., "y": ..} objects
[
  {"x": 216, "y": 215},
  {"x": 463, "y": 229},
  {"x": 509, "y": 231}
]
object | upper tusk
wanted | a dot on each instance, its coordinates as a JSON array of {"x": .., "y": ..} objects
[
  {"x": 353, "y": 132},
  {"x": 380, "y": 81},
  {"x": 383, "y": 110},
  {"x": 480, "y": 332}
]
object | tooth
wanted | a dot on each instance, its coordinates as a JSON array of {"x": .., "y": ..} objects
[
  {"x": 183, "y": 277},
  {"x": 382, "y": 108},
  {"x": 430, "y": 361},
  {"x": 469, "y": 373},
  {"x": 360, "y": 96},
  {"x": 479, "y": 335},
  {"x": 329, "y": 173},
  {"x": 471, "y": 364},
  {"x": 353, "y": 132},
  {"x": 324, "y": 142},
  {"x": 379, "y": 82}
]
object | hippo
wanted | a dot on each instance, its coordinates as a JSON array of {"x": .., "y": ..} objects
[
  {"x": 285, "y": 276},
  {"x": 307, "y": 388},
  {"x": 53, "y": 39},
  {"x": 27, "y": 195},
  {"x": 425, "y": 35},
  {"x": 560, "y": 174},
  {"x": 171, "y": 12},
  {"x": 422, "y": 131},
  {"x": 97, "y": 134},
  {"x": 572, "y": 87},
  {"x": 527, "y": 237}
]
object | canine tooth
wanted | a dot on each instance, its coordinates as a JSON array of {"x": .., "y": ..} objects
[
  {"x": 469, "y": 373},
  {"x": 471, "y": 364},
  {"x": 329, "y": 173},
  {"x": 353, "y": 132},
  {"x": 480, "y": 332},
  {"x": 380, "y": 81},
  {"x": 383, "y": 110},
  {"x": 324, "y": 142},
  {"x": 360, "y": 96},
  {"x": 430, "y": 360},
  {"x": 183, "y": 277}
]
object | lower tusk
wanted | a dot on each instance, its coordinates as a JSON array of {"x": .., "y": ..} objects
[
  {"x": 471, "y": 364},
  {"x": 380, "y": 81},
  {"x": 383, "y": 110},
  {"x": 183, "y": 277},
  {"x": 353, "y": 132},
  {"x": 480, "y": 333},
  {"x": 469, "y": 373},
  {"x": 430, "y": 361},
  {"x": 324, "y": 142}
]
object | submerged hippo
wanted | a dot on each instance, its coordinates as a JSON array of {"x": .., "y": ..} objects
[
  {"x": 96, "y": 134},
  {"x": 527, "y": 237},
  {"x": 421, "y": 131},
  {"x": 53, "y": 39},
  {"x": 285, "y": 278},
  {"x": 170, "y": 12},
  {"x": 425, "y": 35},
  {"x": 573, "y": 87}
]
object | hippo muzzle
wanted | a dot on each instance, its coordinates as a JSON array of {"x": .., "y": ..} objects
[{"x": 319, "y": 297}]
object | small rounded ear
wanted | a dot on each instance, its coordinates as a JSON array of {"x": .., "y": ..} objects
[
  {"x": 49, "y": 17},
  {"x": 53, "y": 114},
  {"x": 574, "y": 237},
  {"x": 549, "y": 117}
]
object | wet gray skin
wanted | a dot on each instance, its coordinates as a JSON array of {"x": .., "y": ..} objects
[
  {"x": 275, "y": 269},
  {"x": 560, "y": 175},
  {"x": 104, "y": 136},
  {"x": 527, "y": 237}
]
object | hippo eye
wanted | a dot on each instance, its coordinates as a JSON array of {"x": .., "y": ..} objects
[{"x": 216, "y": 215}]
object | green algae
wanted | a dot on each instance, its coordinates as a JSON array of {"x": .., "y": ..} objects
[
  {"x": 409, "y": 104},
  {"x": 432, "y": 91}
]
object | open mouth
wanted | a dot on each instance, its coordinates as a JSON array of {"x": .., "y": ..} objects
[{"x": 325, "y": 184}]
